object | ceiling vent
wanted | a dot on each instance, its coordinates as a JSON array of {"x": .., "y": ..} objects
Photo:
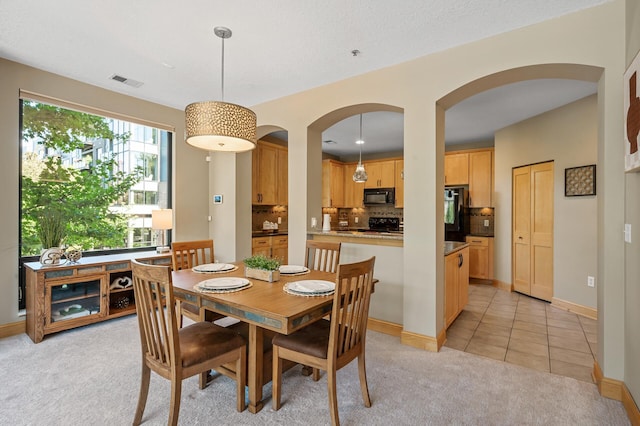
[
  {"x": 125, "y": 80},
  {"x": 330, "y": 142}
]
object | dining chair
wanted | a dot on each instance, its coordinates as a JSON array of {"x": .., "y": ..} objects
[
  {"x": 173, "y": 353},
  {"x": 331, "y": 344},
  {"x": 322, "y": 256}
]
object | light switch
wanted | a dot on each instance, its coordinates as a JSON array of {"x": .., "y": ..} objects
[{"x": 627, "y": 232}]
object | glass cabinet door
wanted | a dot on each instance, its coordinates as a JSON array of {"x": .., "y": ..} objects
[{"x": 77, "y": 298}]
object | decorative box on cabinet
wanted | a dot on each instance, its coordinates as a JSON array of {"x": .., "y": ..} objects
[{"x": 72, "y": 295}]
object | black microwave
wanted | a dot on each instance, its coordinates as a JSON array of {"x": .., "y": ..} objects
[{"x": 379, "y": 196}]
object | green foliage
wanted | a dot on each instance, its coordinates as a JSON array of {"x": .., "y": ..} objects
[
  {"x": 51, "y": 228},
  {"x": 262, "y": 262}
]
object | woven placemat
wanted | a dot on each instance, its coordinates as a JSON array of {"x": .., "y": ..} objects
[
  {"x": 295, "y": 273},
  {"x": 231, "y": 290},
  {"x": 215, "y": 272},
  {"x": 285, "y": 288}
]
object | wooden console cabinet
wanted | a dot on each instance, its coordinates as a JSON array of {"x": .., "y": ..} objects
[{"x": 97, "y": 288}]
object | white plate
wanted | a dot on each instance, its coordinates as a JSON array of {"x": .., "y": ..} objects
[
  {"x": 293, "y": 269},
  {"x": 213, "y": 267},
  {"x": 312, "y": 286},
  {"x": 226, "y": 283}
]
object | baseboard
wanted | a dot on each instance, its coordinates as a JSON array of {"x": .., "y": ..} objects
[
  {"x": 585, "y": 311},
  {"x": 616, "y": 389},
  {"x": 13, "y": 328},
  {"x": 630, "y": 405},
  {"x": 502, "y": 285},
  {"x": 420, "y": 341},
  {"x": 385, "y": 327}
]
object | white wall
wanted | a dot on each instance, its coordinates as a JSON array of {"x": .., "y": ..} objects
[{"x": 568, "y": 136}]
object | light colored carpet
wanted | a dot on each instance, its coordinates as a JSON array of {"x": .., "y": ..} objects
[{"x": 90, "y": 376}]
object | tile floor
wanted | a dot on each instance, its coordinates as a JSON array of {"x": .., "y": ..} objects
[{"x": 522, "y": 330}]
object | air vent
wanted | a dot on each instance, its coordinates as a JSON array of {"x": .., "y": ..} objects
[
  {"x": 330, "y": 142},
  {"x": 125, "y": 80}
]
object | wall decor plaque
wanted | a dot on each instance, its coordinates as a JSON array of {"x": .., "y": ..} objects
[
  {"x": 632, "y": 116},
  {"x": 580, "y": 181}
]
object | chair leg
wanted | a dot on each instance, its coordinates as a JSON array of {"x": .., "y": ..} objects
[
  {"x": 203, "y": 379},
  {"x": 144, "y": 391},
  {"x": 333, "y": 397},
  {"x": 176, "y": 393},
  {"x": 241, "y": 372},
  {"x": 316, "y": 374},
  {"x": 276, "y": 378},
  {"x": 363, "y": 380}
]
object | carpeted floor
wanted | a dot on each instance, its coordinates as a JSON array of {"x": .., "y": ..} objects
[{"x": 90, "y": 376}]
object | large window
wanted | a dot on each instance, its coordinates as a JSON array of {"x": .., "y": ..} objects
[{"x": 89, "y": 181}]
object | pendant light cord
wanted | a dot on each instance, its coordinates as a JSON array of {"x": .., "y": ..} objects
[
  {"x": 222, "y": 74},
  {"x": 360, "y": 160}
]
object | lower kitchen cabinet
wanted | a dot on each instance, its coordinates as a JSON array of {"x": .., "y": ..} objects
[
  {"x": 480, "y": 257},
  {"x": 456, "y": 284},
  {"x": 75, "y": 294},
  {"x": 276, "y": 246}
]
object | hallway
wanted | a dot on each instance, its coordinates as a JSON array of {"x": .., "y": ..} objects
[{"x": 522, "y": 330}]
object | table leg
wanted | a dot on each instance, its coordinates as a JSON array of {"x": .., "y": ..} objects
[{"x": 255, "y": 367}]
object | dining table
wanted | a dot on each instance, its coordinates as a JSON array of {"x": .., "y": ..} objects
[{"x": 262, "y": 305}]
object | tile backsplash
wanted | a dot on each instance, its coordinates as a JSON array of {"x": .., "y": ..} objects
[
  {"x": 362, "y": 215},
  {"x": 481, "y": 221},
  {"x": 260, "y": 214}
]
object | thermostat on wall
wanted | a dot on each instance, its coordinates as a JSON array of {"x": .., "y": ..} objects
[{"x": 217, "y": 199}]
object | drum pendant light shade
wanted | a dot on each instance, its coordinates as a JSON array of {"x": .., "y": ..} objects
[{"x": 219, "y": 125}]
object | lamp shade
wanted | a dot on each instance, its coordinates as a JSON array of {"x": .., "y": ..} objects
[
  {"x": 360, "y": 175},
  {"x": 162, "y": 219},
  {"x": 220, "y": 126}
]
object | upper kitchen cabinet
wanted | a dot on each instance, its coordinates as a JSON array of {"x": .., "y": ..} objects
[
  {"x": 353, "y": 191},
  {"x": 481, "y": 178},
  {"x": 399, "y": 183},
  {"x": 332, "y": 184},
  {"x": 381, "y": 174},
  {"x": 269, "y": 174},
  {"x": 456, "y": 169}
]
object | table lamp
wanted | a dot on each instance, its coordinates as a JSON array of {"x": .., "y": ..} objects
[{"x": 162, "y": 220}]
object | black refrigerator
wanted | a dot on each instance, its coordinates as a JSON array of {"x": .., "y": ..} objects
[{"x": 456, "y": 213}]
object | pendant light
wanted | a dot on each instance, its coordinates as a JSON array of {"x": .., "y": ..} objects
[
  {"x": 360, "y": 175},
  {"x": 218, "y": 125}
]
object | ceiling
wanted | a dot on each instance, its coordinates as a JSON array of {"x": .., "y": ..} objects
[{"x": 278, "y": 48}]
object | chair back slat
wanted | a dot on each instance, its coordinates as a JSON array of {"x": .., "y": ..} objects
[
  {"x": 322, "y": 256},
  {"x": 187, "y": 254},
  {"x": 350, "y": 306},
  {"x": 155, "y": 307}
]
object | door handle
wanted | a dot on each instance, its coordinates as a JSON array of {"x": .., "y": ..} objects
[{"x": 460, "y": 260}]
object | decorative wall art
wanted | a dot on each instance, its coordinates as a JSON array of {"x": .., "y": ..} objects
[
  {"x": 580, "y": 181},
  {"x": 632, "y": 116}
]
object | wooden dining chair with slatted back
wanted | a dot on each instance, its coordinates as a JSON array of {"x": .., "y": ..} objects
[
  {"x": 173, "y": 353},
  {"x": 322, "y": 256},
  {"x": 331, "y": 344}
]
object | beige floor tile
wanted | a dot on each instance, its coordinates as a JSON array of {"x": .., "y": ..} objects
[
  {"x": 490, "y": 339},
  {"x": 579, "y": 345},
  {"x": 461, "y": 332},
  {"x": 565, "y": 332},
  {"x": 475, "y": 308},
  {"x": 455, "y": 342},
  {"x": 470, "y": 315},
  {"x": 529, "y": 336},
  {"x": 591, "y": 337},
  {"x": 465, "y": 323},
  {"x": 567, "y": 369},
  {"x": 536, "y": 362},
  {"x": 571, "y": 325},
  {"x": 528, "y": 347},
  {"x": 483, "y": 349},
  {"x": 534, "y": 319},
  {"x": 501, "y": 313},
  {"x": 494, "y": 329},
  {"x": 494, "y": 320},
  {"x": 594, "y": 349},
  {"x": 529, "y": 326},
  {"x": 572, "y": 357},
  {"x": 525, "y": 310}
]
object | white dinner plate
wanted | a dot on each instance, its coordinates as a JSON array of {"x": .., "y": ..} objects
[
  {"x": 225, "y": 283},
  {"x": 312, "y": 286},
  {"x": 213, "y": 267},
  {"x": 293, "y": 269}
]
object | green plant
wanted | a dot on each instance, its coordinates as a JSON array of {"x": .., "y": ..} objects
[
  {"x": 261, "y": 261},
  {"x": 51, "y": 229}
]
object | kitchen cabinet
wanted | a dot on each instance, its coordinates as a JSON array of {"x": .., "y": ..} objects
[
  {"x": 332, "y": 183},
  {"x": 480, "y": 257},
  {"x": 72, "y": 295},
  {"x": 353, "y": 191},
  {"x": 399, "y": 183},
  {"x": 276, "y": 246},
  {"x": 456, "y": 168},
  {"x": 481, "y": 178},
  {"x": 269, "y": 173},
  {"x": 456, "y": 285},
  {"x": 381, "y": 174}
]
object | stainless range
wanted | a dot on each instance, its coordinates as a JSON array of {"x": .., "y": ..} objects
[{"x": 384, "y": 224}]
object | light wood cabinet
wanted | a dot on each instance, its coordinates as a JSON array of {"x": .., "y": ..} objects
[
  {"x": 399, "y": 183},
  {"x": 332, "y": 184},
  {"x": 381, "y": 174},
  {"x": 481, "y": 178},
  {"x": 456, "y": 169},
  {"x": 269, "y": 174},
  {"x": 480, "y": 257},
  {"x": 72, "y": 295},
  {"x": 276, "y": 246},
  {"x": 456, "y": 286},
  {"x": 353, "y": 191}
]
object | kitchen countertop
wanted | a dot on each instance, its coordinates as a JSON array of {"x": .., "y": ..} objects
[
  {"x": 269, "y": 233},
  {"x": 360, "y": 234},
  {"x": 453, "y": 246}
]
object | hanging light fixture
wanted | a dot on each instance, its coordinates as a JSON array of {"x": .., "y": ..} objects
[
  {"x": 360, "y": 175},
  {"x": 218, "y": 125}
]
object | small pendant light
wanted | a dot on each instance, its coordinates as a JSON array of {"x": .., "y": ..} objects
[{"x": 360, "y": 175}]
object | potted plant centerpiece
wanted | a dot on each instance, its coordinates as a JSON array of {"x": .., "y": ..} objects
[
  {"x": 51, "y": 231},
  {"x": 262, "y": 268}
]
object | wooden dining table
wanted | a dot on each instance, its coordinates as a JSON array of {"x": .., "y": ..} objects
[{"x": 263, "y": 306}]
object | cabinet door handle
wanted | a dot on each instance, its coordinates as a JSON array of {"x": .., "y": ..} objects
[{"x": 460, "y": 260}]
